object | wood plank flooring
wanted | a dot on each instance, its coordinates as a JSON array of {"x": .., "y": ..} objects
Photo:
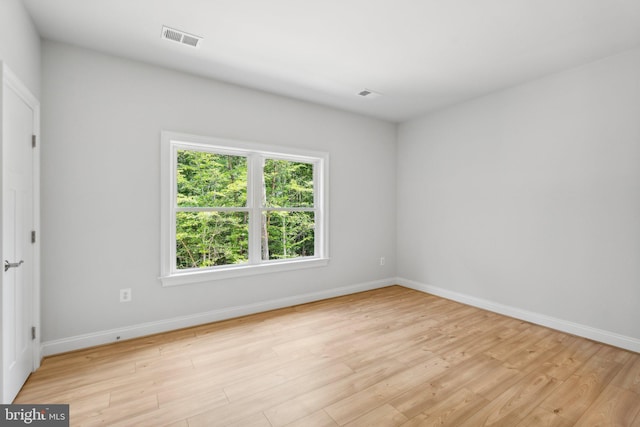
[{"x": 389, "y": 357}]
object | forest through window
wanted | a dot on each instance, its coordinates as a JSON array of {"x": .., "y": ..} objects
[{"x": 213, "y": 218}]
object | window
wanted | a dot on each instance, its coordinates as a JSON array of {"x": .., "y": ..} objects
[{"x": 232, "y": 208}]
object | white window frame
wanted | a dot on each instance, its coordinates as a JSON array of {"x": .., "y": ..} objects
[{"x": 172, "y": 141}]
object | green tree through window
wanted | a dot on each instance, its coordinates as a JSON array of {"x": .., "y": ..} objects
[
  {"x": 287, "y": 232},
  {"x": 207, "y": 236}
]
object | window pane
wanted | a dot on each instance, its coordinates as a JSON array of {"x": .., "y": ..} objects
[
  {"x": 207, "y": 239},
  {"x": 287, "y": 234},
  {"x": 211, "y": 180},
  {"x": 288, "y": 184}
]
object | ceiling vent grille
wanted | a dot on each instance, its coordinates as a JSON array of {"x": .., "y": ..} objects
[
  {"x": 180, "y": 37},
  {"x": 366, "y": 93}
]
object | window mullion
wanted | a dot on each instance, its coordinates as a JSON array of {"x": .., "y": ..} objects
[
  {"x": 289, "y": 209},
  {"x": 254, "y": 203},
  {"x": 209, "y": 209}
]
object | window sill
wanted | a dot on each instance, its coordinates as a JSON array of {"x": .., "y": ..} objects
[{"x": 229, "y": 272}]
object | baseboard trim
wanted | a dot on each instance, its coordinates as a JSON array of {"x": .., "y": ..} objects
[
  {"x": 78, "y": 342},
  {"x": 606, "y": 337},
  {"x": 136, "y": 331}
]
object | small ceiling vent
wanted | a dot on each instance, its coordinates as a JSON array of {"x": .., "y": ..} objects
[
  {"x": 369, "y": 94},
  {"x": 181, "y": 37}
]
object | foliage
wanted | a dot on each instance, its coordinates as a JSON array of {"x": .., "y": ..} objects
[
  {"x": 290, "y": 234},
  {"x": 207, "y": 234},
  {"x": 206, "y": 239},
  {"x": 288, "y": 184},
  {"x": 211, "y": 180}
]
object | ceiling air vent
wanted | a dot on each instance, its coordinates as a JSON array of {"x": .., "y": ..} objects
[
  {"x": 366, "y": 93},
  {"x": 180, "y": 37}
]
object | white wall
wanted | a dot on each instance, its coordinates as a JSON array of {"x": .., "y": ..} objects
[
  {"x": 530, "y": 197},
  {"x": 20, "y": 44},
  {"x": 101, "y": 120}
]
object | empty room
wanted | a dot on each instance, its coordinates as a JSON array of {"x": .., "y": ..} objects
[{"x": 320, "y": 213}]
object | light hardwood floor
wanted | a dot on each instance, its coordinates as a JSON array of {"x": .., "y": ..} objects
[{"x": 387, "y": 357}]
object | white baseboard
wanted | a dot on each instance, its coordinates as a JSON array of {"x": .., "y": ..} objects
[
  {"x": 607, "y": 337},
  {"x": 135, "y": 331}
]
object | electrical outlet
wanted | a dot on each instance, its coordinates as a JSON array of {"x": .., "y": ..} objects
[
  {"x": 382, "y": 260},
  {"x": 125, "y": 295}
]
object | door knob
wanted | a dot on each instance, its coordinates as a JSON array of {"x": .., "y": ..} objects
[{"x": 8, "y": 265}]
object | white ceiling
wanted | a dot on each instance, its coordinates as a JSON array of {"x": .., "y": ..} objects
[{"x": 421, "y": 55}]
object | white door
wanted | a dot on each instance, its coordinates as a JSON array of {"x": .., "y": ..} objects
[{"x": 17, "y": 249}]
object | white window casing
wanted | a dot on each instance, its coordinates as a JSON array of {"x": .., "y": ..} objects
[{"x": 255, "y": 153}]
